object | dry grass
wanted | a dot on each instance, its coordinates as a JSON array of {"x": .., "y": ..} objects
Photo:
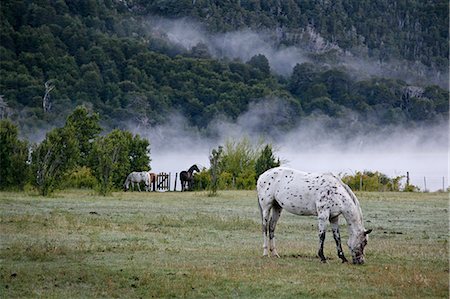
[{"x": 189, "y": 245}]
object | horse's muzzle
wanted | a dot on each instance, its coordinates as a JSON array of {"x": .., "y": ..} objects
[{"x": 358, "y": 260}]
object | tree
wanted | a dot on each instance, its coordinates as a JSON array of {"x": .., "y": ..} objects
[
  {"x": 214, "y": 159},
  {"x": 106, "y": 152},
  {"x": 57, "y": 154},
  {"x": 116, "y": 155},
  {"x": 139, "y": 154},
  {"x": 86, "y": 128},
  {"x": 261, "y": 63},
  {"x": 14, "y": 170},
  {"x": 266, "y": 161},
  {"x": 239, "y": 158}
]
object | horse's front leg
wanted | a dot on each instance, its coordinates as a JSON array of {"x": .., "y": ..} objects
[
  {"x": 323, "y": 218},
  {"x": 337, "y": 237}
]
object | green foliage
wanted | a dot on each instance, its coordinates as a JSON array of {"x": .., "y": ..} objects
[
  {"x": 115, "y": 156},
  {"x": 412, "y": 188},
  {"x": 372, "y": 181},
  {"x": 53, "y": 157},
  {"x": 14, "y": 170},
  {"x": 238, "y": 159},
  {"x": 73, "y": 156},
  {"x": 214, "y": 160},
  {"x": 202, "y": 181},
  {"x": 332, "y": 90},
  {"x": 86, "y": 127},
  {"x": 266, "y": 161},
  {"x": 98, "y": 53},
  {"x": 236, "y": 165},
  {"x": 385, "y": 30},
  {"x": 80, "y": 177}
]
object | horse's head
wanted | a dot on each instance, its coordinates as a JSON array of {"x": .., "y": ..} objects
[
  {"x": 356, "y": 244},
  {"x": 194, "y": 167}
]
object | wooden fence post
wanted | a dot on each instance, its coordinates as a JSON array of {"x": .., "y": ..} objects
[
  {"x": 168, "y": 181},
  {"x": 175, "y": 185}
]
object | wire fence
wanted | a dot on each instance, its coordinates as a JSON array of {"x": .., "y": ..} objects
[
  {"x": 430, "y": 183},
  {"x": 171, "y": 182}
]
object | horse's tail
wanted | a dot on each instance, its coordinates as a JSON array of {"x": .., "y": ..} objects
[{"x": 126, "y": 183}]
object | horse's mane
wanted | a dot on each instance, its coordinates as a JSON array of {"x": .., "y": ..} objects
[{"x": 352, "y": 195}]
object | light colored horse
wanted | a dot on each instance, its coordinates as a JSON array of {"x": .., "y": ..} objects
[
  {"x": 137, "y": 178},
  {"x": 321, "y": 195}
]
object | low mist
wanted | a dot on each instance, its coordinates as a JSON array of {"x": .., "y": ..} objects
[
  {"x": 317, "y": 144},
  {"x": 246, "y": 43}
]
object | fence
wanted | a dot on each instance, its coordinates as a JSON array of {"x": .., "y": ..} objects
[
  {"x": 424, "y": 183},
  {"x": 166, "y": 182}
]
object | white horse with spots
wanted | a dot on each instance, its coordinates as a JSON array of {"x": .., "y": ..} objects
[
  {"x": 136, "y": 178},
  {"x": 322, "y": 195}
]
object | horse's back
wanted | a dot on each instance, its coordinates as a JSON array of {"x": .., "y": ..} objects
[{"x": 296, "y": 191}]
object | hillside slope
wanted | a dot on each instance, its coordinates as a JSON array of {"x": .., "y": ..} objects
[{"x": 108, "y": 56}]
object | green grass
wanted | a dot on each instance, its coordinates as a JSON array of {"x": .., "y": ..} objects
[{"x": 78, "y": 245}]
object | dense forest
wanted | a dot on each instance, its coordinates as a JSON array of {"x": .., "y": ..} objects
[
  {"x": 414, "y": 30},
  {"x": 56, "y": 55}
]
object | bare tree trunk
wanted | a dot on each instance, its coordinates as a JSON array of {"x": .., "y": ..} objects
[{"x": 46, "y": 104}]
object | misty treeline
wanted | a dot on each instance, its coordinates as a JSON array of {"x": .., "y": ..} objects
[
  {"x": 236, "y": 165},
  {"x": 385, "y": 30},
  {"x": 97, "y": 53},
  {"x": 72, "y": 156},
  {"x": 77, "y": 155}
]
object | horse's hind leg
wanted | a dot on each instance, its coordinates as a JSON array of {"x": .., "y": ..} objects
[
  {"x": 265, "y": 212},
  {"x": 323, "y": 219},
  {"x": 337, "y": 237},
  {"x": 276, "y": 212}
]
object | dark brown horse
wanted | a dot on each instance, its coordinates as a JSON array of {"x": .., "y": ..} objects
[{"x": 187, "y": 178}]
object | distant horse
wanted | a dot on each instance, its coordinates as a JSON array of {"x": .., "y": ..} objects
[
  {"x": 187, "y": 178},
  {"x": 322, "y": 195},
  {"x": 152, "y": 180},
  {"x": 137, "y": 178}
]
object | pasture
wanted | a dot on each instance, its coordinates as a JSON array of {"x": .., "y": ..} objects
[{"x": 143, "y": 245}]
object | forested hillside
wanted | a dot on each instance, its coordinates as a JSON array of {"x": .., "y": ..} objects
[
  {"x": 103, "y": 55},
  {"x": 414, "y": 30}
]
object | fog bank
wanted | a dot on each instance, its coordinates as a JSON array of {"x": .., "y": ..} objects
[
  {"x": 312, "y": 146},
  {"x": 246, "y": 43}
]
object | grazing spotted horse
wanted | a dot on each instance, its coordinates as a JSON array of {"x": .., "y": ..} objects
[
  {"x": 322, "y": 195},
  {"x": 138, "y": 177},
  {"x": 187, "y": 178}
]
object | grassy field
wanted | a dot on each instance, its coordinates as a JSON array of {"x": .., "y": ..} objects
[{"x": 78, "y": 245}]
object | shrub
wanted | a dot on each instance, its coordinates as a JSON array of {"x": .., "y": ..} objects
[
  {"x": 80, "y": 177},
  {"x": 372, "y": 181}
]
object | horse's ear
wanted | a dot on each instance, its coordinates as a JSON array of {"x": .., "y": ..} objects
[{"x": 367, "y": 232}]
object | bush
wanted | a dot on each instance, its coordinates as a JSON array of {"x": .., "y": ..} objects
[
  {"x": 202, "y": 180},
  {"x": 80, "y": 177},
  {"x": 372, "y": 181}
]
